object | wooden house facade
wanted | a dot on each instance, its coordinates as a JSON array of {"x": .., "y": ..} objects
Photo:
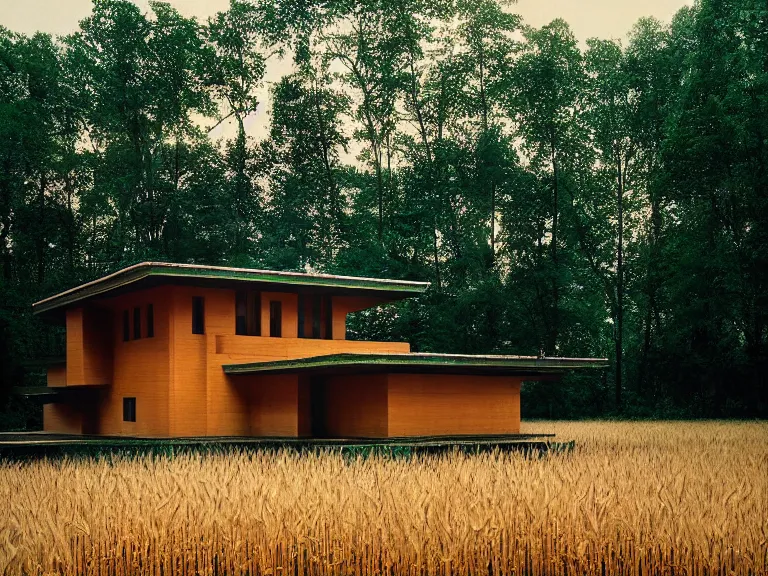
[{"x": 170, "y": 350}]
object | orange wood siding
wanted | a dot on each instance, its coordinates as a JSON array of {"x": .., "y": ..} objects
[
  {"x": 62, "y": 419},
  {"x": 433, "y": 404},
  {"x": 89, "y": 350},
  {"x": 75, "y": 361},
  {"x": 57, "y": 375},
  {"x": 274, "y": 405},
  {"x": 203, "y": 401},
  {"x": 356, "y": 406},
  {"x": 260, "y": 348},
  {"x": 290, "y": 313},
  {"x": 304, "y": 407},
  {"x": 141, "y": 368},
  {"x": 343, "y": 305}
]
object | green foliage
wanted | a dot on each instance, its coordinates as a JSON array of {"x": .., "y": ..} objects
[{"x": 601, "y": 202}]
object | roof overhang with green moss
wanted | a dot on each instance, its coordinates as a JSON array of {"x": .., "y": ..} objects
[
  {"x": 151, "y": 274},
  {"x": 523, "y": 366}
]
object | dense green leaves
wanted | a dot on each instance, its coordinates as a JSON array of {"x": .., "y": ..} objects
[{"x": 594, "y": 199}]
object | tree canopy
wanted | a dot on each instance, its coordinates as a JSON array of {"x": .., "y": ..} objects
[{"x": 609, "y": 199}]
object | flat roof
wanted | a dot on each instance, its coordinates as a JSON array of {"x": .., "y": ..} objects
[
  {"x": 349, "y": 363},
  {"x": 149, "y": 274}
]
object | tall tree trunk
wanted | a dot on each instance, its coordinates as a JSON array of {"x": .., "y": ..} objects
[
  {"x": 493, "y": 224},
  {"x": 619, "y": 279},
  {"x": 40, "y": 240},
  {"x": 70, "y": 225},
  {"x": 555, "y": 262}
]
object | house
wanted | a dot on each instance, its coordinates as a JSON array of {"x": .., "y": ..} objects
[{"x": 176, "y": 350}]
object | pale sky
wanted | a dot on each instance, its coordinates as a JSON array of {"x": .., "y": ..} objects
[{"x": 587, "y": 18}]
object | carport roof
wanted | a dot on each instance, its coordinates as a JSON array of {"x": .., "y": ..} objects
[{"x": 418, "y": 363}]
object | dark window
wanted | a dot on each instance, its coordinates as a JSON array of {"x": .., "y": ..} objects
[
  {"x": 129, "y": 409},
  {"x": 302, "y": 303},
  {"x": 126, "y": 326},
  {"x": 136, "y": 323},
  {"x": 150, "y": 321},
  {"x": 328, "y": 318},
  {"x": 317, "y": 303},
  {"x": 241, "y": 313},
  {"x": 275, "y": 319},
  {"x": 247, "y": 313},
  {"x": 198, "y": 315}
]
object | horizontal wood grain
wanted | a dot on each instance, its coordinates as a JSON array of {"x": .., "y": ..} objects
[
  {"x": 435, "y": 404},
  {"x": 356, "y": 406},
  {"x": 62, "y": 419}
]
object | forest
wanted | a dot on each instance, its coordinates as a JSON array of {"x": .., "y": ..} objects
[{"x": 601, "y": 199}]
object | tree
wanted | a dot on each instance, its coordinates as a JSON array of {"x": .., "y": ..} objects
[{"x": 548, "y": 75}]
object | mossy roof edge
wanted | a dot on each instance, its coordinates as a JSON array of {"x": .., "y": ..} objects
[
  {"x": 417, "y": 360},
  {"x": 143, "y": 270}
]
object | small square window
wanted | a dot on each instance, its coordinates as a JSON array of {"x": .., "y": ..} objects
[
  {"x": 129, "y": 409},
  {"x": 136, "y": 323},
  {"x": 150, "y": 321}
]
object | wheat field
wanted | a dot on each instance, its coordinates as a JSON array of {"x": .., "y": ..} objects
[{"x": 631, "y": 498}]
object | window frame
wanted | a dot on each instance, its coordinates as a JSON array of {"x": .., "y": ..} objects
[
  {"x": 275, "y": 319},
  {"x": 129, "y": 408},
  {"x": 198, "y": 315}
]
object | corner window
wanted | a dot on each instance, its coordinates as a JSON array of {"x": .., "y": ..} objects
[
  {"x": 129, "y": 409},
  {"x": 150, "y": 321},
  {"x": 198, "y": 315},
  {"x": 136, "y": 323},
  {"x": 126, "y": 326},
  {"x": 275, "y": 318}
]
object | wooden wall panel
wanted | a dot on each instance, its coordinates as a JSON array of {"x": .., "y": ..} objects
[
  {"x": 57, "y": 375},
  {"x": 89, "y": 349},
  {"x": 356, "y": 406},
  {"x": 274, "y": 405},
  {"x": 435, "y": 404},
  {"x": 75, "y": 361},
  {"x": 305, "y": 407},
  {"x": 141, "y": 368},
  {"x": 263, "y": 349},
  {"x": 343, "y": 305},
  {"x": 290, "y": 313},
  {"x": 62, "y": 419},
  {"x": 203, "y": 401}
]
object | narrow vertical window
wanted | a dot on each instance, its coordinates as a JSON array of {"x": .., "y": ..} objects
[
  {"x": 129, "y": 409},
  {"x": 316, "y": 307},
  {"x": 254, "y": 313},
  {"x": 300, "y": 331},
  {"x": 275, "y": 319},
  {"x": 198, "y": 315},
  {"x": 126, "y": 326},
  {"x": 150, "y": 321},
  {"x": 328, "y": 318},
  {"x": 241, "y": 313},
  {"x": 136, "y": 323}
]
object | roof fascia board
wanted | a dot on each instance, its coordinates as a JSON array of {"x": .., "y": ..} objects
[
  {"x": 542, "y": 365},
  {"x": 144, "y": 270}
]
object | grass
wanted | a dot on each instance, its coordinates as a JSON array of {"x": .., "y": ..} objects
[{"x": 631, "y": 498}]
